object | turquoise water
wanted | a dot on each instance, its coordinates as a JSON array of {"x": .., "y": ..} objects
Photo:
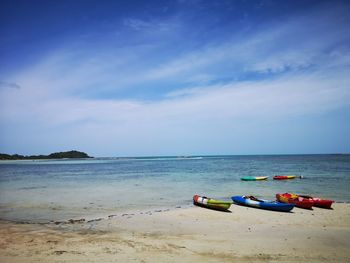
[{"x": 41, "y": 191}]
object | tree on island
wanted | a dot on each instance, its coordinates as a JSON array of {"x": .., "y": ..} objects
[
  {"x": 56, "y": 155},
  {"x": 70, "y": 154}
]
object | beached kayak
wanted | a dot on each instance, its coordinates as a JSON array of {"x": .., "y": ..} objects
[
  {"x": 323, "y": 203},
  {"x": 254, "y": 178},
  {"x": 283, "y": 177},
  {"x": 211, "y": 203},
  {"x": 261, "y": 203},
  {"x": 295, "y": 199}
]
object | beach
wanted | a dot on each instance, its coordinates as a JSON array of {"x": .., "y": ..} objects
[
  {"x": 185, "y": 234},
  {"x": 125, "y": 123}
]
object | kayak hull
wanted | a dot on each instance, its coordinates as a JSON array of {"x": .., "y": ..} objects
[
  {"x": 203, "y": 201},
  {"x": 263, "y": 204},
  {"x": 318, "y": 202},
  {"x": 295, "y": 199},
  {"x": 254, "y": 178},
  {"x": 323, "y": 203},
  {"x": 283, "y": 177}
]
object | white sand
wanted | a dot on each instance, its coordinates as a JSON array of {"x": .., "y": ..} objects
[{"x": 187, "y": 235}]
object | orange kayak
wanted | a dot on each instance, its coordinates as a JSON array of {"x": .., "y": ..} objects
[{"x": 296, "y": 200}]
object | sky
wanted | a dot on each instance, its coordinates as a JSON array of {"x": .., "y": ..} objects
[{"x": 186, "y": 77}]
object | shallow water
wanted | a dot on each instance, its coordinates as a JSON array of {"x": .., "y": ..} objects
[{"x": 47, "y": 190}]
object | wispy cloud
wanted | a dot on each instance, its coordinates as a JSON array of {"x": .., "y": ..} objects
[
  {"x": 278, "y": 98},
  {"x": 4, "y": 84},
  {"x": 227, "y": 108},
  {"x": 274, "y": 49},
  {"x": 154, "y": 26},
  {"x": 298, "y": 68},
  {"x": 136, "y": 24}
]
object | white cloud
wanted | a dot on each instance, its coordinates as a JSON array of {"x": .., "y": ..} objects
[
  {"x": 132, "y": 127},
  {"x": 288, "y": 95},
  {"x": 51, "y": 97},
  {"x": 129, "y": 125}
]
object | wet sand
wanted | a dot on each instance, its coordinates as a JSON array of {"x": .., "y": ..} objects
[{"x": 186, "y": 235}]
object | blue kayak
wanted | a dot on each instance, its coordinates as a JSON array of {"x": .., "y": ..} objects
[{"x": 263, "y": 204}]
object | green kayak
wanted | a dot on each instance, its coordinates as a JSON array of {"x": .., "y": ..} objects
[
  {"x": 254, "y": 178},
  {"x": 211, "y": 203}
]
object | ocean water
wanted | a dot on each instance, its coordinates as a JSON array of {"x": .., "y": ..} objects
[{"x": 46, "y": 190}]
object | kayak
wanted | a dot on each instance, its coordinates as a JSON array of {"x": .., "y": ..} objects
[
  {"x": 211, "y": 203},
  {"x": 295, "y": 199},
  {"x": 323, "y": 203},
  {"x": 261, "y": 203},
  {"x": 254, "y": 178},
  {"x": 283, "y": 177}
]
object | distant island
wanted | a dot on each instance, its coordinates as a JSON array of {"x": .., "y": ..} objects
[{"x": 57, "y": 155}]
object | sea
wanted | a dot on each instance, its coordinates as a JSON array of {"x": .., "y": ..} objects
[{"x": 52, "y": 190}]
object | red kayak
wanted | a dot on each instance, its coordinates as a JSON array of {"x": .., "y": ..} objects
[
  {"x": 285, "y": 177},
  {"x": 323, "y": 203},
  {"x": 296, "y": 200}
]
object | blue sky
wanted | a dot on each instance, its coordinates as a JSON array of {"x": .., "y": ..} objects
[{"x": 135, "y": 78}]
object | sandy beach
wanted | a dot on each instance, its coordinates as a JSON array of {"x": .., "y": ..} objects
[{"x": 191, "y": 234}]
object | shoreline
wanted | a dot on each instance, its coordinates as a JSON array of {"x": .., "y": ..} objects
[
  {"x": 94, "y": 216},
  {"x": 124, "y": 212},
  {"x": 191, "y": 234}
]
